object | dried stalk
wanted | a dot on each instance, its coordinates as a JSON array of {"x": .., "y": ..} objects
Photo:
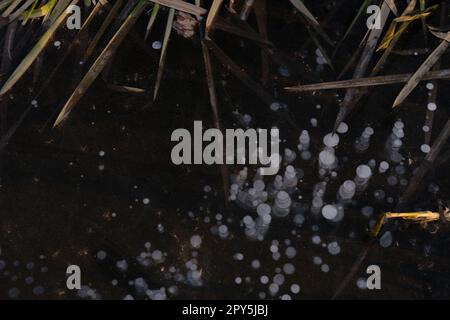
[{"x": 369, "y": 82}]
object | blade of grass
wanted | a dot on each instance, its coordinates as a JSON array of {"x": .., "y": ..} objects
[
  {"x": 61, "y": 5},
  {"x": 5, "y": 3},
  {"x": 162, "y": 58},
  {"x": 432, "y": 97},
  {"x": 101, "y": 61},
  {"x": 246, "y": 9},
  {"x": 404, "y": 23},
  {"x": 224, "y": 25},
  {"x": 422, "y": 6},
  {"x": 260, "y": 8},
  {"x": 422, "y": 70},
  {"x": 320, "y": 46},
  {"x": 7, "y": 48},
  {"x": 34, "y": 53},
  {"x": 381, "y": 62},
  {"x": 354, "y": 56},
  {"x": 42, "y": 11},
  {"x": 11, "y": 8},
  {"x": 26, "y": 15}
]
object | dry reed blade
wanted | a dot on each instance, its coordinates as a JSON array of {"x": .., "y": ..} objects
[
  {"x": 392, "y": 6},
  {"x": 162, "y": 58},
  {"x": 261, "y": 19},
  {"x": 354, "y": 56},
  {"x": 320, "y": 47},
  {"x": 222, "y": 24},
  {"x": 368, "y": 82},
  {"x": 10, "y": 132},
  {"x": 101, "y": 62},
  {"x": 422, "y": 70},
  {"x": 182, "y": 6},
  {"x": 246, "y": 9},
  {"x": 309, "y": 17},
  {"x": 105, "y": 24},
  {"x": 212, "y": 14},
  {"x": 391, "y": 42},
  {"x": 151, "y": 20},
  {"x": 11, "y": 6},
  {"x": 366, "y": 56},
  {"x": 57, "y": 10},
  {"x": 20, "y": 10},
  {"x": 81, "y": 34},
  {"x": 239, "y": 73},
  {"x": 426, "y": 165},
  {"x": 424, "y": 23},
  {"x": 215, "y": 109},
  {"x": 34, "y": 53},
  {"x": 361, "y": 10},
  {"x": 429, "y": 117}
]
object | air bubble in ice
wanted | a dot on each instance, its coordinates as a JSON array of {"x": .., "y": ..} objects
[{"x": 196, "y": 241}]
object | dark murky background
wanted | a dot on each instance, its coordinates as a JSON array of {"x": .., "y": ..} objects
[{"x": 61, "y": 202}]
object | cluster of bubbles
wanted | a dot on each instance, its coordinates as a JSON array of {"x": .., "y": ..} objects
[{"x": 275, "y": 198}]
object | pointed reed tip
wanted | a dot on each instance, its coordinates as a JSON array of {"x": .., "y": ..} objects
[
  {"x": 2, "y": 92},
  {"x": 395, "y": 104}
]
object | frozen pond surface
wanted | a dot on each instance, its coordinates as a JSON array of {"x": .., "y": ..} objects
[{"x": 101, "y": 192}]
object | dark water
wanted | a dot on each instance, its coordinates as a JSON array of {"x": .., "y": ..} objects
[{"x": 62, "y": 201}]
